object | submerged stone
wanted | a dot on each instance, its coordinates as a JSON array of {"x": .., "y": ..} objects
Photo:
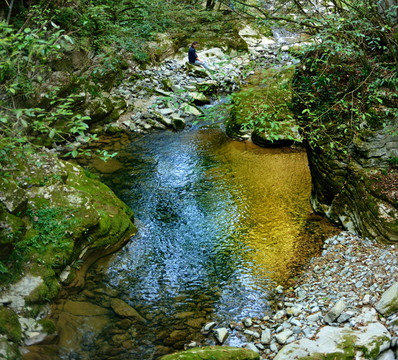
[{"x": 125, "y": 310}]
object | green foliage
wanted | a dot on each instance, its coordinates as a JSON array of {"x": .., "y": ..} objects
[
  {"x": 24, "y": 58},
  {"x": 50, "y": 237},
  {"x": 393, "y": 161},
  {"x": 9, "y": 325},
  {"x": 346, "y": 82}
]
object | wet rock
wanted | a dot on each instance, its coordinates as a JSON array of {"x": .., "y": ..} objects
[
  {"x": 176, "y": 336},
  {"x": 248, "y": 322},
  {"x": 196, "y": 323},
  {"x": 210, "y": 326},
  {"x": 123, "y": 309},
  {"x": 221, "y": 334},
  {"x": 83, "y": 308},
  {"x": 388, "y": 303},
  {"x": 107, "y": 167}
]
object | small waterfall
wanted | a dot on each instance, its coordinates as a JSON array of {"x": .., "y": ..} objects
[{"x": 282, "y": 35}]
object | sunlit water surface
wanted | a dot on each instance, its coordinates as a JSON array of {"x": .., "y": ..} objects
[{"x": 221, "y": 223}]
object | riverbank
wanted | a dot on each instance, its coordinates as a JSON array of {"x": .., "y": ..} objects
[{"x": 340, "y": 305}]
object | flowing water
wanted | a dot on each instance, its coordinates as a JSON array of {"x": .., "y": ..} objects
[{"x": 221, "y": 223}]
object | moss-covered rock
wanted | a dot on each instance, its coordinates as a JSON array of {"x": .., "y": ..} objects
[
  {"x": 69, "y": 217},
  {"x": 209, "y": 87},
  {"x": 214, "y": 353},
  {"x": 9, "y": 350},
  {"x": 366, "y": 342},
  {"x": 262, "y": 106},
  {"x": 9, "y": 325},
  {"x": 48, "y": 326},
  {"x": 197, "y": 71}
]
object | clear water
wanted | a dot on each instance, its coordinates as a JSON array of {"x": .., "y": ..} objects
[{"x": 221, "y": 223}]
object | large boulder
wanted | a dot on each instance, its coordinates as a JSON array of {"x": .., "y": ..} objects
[
  {"x": 357, "y": 188},
  {"x": 262, "y": 107},
  {"x": 388, "y": 304},
  {"x": 69, "y": 217},
  {"x": 340, "y": 343}
]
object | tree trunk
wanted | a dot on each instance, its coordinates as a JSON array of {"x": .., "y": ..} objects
[
  {"x": 10, "y": 11},
  {"x": 210, "y": 4}
]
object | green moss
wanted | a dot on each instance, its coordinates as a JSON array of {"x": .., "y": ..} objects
[
  {"x": 372, "y": 349},
  {"x": 48, "y": 326},
  {"x": 9, "y": 325},
  {"x": 214, "y": 353},
  {"x": 263, "y": 106},
  {"x": 67, "y": 212},
  {"x": 44, "y": 292}
]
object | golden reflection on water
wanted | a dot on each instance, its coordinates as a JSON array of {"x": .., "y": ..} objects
[{"x": 271, "y": 189}]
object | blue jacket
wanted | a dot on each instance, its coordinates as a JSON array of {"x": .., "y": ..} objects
[{"x": 192, "y": 55}]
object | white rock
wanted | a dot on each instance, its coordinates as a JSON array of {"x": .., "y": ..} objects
[
  {"x": 386, "y": 355},
  {"x": 34, "y": 338},
  {"x": 283, "y": 336},
  {"x": 266, "y": 337},
  {"x": 247, "y": 322},
  {"x": 252, "y": 333},
  {"x": 209, "y": 326},
  {"x": 221, "y": 334},
  {"x": 252, "y": 347}
]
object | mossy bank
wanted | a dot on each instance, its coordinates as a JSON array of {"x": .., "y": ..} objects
[{"x": 55, "y": 221}]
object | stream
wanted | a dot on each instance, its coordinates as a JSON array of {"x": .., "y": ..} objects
[{"x": 221, "y": 224}]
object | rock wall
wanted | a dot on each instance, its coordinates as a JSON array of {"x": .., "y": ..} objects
[{"x": 359, "y": 189}]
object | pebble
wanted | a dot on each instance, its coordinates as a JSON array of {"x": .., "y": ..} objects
[{"x": 360, "y": 276}]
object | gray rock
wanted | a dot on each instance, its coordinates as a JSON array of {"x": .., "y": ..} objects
[
  {"x": 252, "y": 347},
  {"x": 345, "y": 316},
  {"x": 388, "y": 303},
  {"x": 283, "y": 336},
  {"x": 221, "y": 334},
  {"x": 266, "y": 337},
  {"x": 273, "y": 347},
  {"x": 314, "y": 317},
  {"x": 372, "y": 338},
  {"x": 335, "y": 312},
  {"x": 252, "y": 333},
  {"x": 247, "y": 322},
  {"x": 386, "y": 355}
]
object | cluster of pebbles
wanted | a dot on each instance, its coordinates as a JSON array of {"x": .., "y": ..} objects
[{"x": 346, "y": 287}]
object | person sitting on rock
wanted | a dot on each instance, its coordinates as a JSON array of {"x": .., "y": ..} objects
[{"x": 194, "y": 58}]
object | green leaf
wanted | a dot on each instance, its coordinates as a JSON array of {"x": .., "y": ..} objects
[{"x": 52, "y": 133}]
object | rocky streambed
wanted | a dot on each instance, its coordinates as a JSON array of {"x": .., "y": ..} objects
[{"x": 344, "y": 306}]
